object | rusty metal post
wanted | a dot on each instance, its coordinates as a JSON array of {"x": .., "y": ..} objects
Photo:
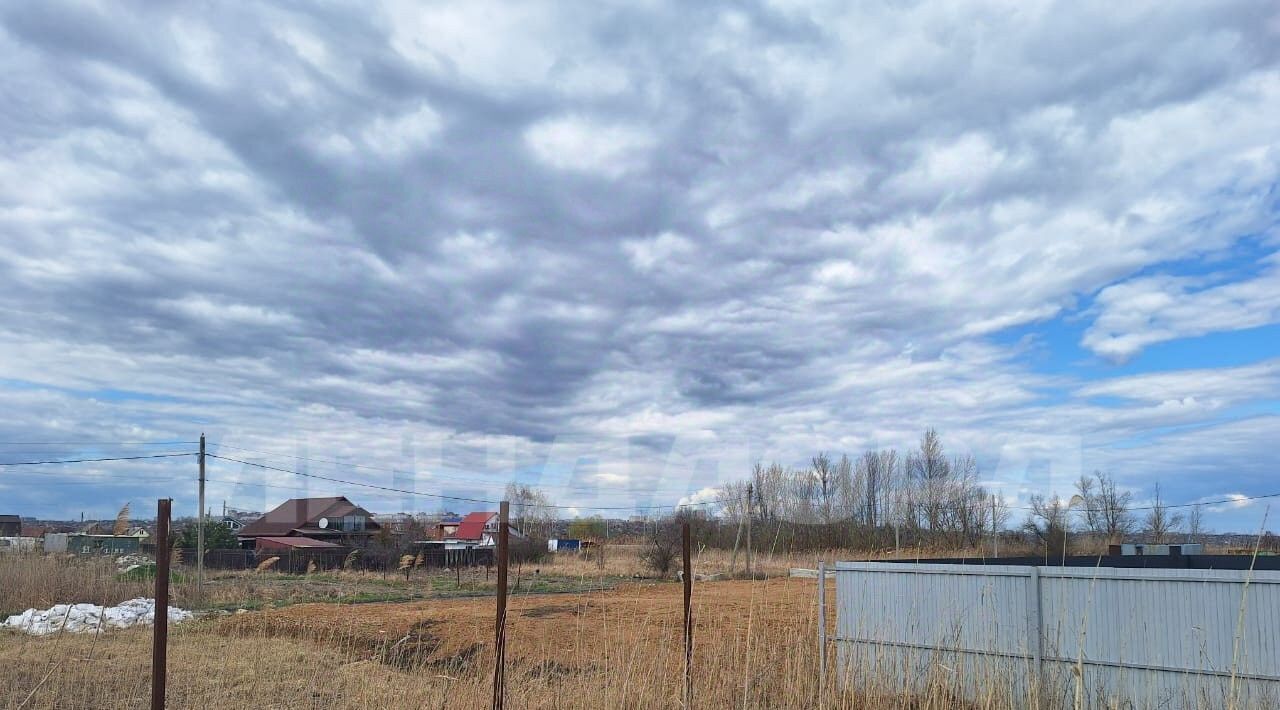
[
  {"x": 500, "y": 622},
  {"x": 688, "y": 619},
  {"x": 160, "y": 640}
]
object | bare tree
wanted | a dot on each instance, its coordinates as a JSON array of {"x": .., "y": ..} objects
[
  {"x": 848, "y": 491},
  {"x": 1196, "y": 529},
  {"x": 1160, "y": 523},
  {"x": 531, "y": 511},
  {"x": 1000, "y": 514},
  {"x": 824, "y": 484},
  {"x": 929, "y": 469},
  {"x": 1106, "y": 508},
  {"x": 1049, "y": 524}
]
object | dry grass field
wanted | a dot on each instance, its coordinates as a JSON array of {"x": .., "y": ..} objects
[{"x": 618, "y": 646}]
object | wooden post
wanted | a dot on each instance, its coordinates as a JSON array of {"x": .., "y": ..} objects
[
  {"x": 749, "y": 516},
  {"x": 500, "y": 622},
  {"x": 200, "y": 530},
  {"x": 822, "y": 630},
  {"x": 160, "y": 637},
  {"x": 688, "y": 619}
]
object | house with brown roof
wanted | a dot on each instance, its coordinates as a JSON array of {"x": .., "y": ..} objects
[{"x": 334, "y": 520}]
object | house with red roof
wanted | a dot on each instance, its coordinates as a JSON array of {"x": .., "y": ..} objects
[{"x": 474, "y": 530}]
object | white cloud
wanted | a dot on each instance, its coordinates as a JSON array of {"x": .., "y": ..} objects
[
  {"x": 403, "y": 134},
  {"x": 701, "y": 498},
  {"x": 658, "y": 252},
  {"x": 582, "y": 144},
  {"x": 1135, "y": 314}
]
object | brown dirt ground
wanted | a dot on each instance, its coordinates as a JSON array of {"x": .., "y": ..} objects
[{"x": 578, "y": 631}]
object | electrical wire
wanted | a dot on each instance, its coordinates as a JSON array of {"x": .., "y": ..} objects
[
  {"x": 1223, "y": 501},
  {"x": 112, "y": 458},
  {"x": 448, "y": 497},
  {"x": 96, "y": 443},
  {"x": 559, "y": 487}
]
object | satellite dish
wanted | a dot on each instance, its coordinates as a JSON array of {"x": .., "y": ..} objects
[{"x": 323, "y": 523}]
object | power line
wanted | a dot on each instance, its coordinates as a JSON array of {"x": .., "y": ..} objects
[
  {"x": 96, "y": 443},
  {"x": 447, "y": 497},
  {"x": 111, "y": 481},
  {"x": 348, "y": 483},
  {"x": 566, "y": 488},
  {"x": 1128, "y": 508},
  {"x": 113, "y": 458}
]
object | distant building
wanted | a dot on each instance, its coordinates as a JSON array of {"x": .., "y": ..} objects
[
  {"x": 448, "y": 526},
  {"x": 84, "y": 544},
  {"x": 560, "y": 544},
  {"x": 335, "y": 519},
  {"x": 1135, "y": 549},
  {"x": 478, "y": 530},
  {"x": 19, "y": 544},
  {"x": 10, "y": 526}
]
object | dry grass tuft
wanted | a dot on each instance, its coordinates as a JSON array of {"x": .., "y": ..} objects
[
  {"x": 267, "y": 564},
  {"x": 122, "y": 521}
]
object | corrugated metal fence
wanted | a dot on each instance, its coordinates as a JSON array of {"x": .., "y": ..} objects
[{"x": 1047, "y": 635}]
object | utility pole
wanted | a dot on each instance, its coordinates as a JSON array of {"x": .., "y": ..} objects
[
  {"x": 200, "y": 530},
  {"x": 995, "y": 533},
  {"x": 737, "y": 540},
  {"x": 749, "y": 515}
]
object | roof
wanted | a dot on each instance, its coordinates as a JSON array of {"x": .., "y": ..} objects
[
  {"x": 297, "y": 513},
  {"x": 472, "y": 526},
  {"x": 306, "y": 542},
  {"x": 10, "y": 519}
]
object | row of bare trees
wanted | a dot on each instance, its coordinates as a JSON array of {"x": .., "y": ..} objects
[
  {"x": 924, "y": 494},
  {"x": 1103, "y": 513},
  {"x": 926, "y": 497}
]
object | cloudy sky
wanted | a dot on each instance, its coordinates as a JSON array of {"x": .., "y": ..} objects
[{"x": 624, "y": 250}]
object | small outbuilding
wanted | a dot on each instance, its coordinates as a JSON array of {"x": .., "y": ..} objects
[
  {"x": 296, "y": 553},
  {"x": 10, "y": 526},
  {"x": 82, "y": 544},
  {"x": 564, "y": 545}
]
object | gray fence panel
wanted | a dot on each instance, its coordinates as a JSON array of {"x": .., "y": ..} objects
[{"x": 1147, "y": 637}]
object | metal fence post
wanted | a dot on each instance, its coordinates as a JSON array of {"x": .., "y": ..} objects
[
  {"x": 160, "y": 637},
  {"x": 822, "y": 630},
  {"x": 1035, "y": 631}
]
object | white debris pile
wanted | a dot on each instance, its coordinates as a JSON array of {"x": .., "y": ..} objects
[
  {"x": 88, "y": 618},
  {"x": 128, "y": 563}
]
